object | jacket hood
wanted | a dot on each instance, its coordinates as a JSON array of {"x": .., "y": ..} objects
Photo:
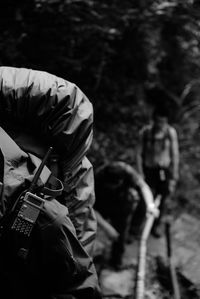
[{"x": 53, "y": 109}]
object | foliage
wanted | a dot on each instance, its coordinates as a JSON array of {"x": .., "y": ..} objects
[{"x": 115, "y": 51}]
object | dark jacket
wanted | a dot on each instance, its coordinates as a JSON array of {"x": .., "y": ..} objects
[
  {"x": 42, "y": 105},
  {"x": 38, "y": 109}
]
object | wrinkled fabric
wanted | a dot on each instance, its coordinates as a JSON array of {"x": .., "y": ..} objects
[
  {"x": 19, "y": 169},
  {"x": 47, "y": 265},
  {"x": 79, "y": 200},
  {"x": 54, "y": 108},
  {"x": 39, "y": 109}
]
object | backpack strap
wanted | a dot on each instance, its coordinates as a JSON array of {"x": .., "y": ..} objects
[
  {"x": 54, "y": 187},
  {"x": 168, "y": 133},
  {"x": 147, "y": 131}
]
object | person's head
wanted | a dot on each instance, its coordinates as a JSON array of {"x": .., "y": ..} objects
[
  {"x": 114, "y": 177},
  {"x": 160, "y": 118},
  {"x": 159, "y": 98}
]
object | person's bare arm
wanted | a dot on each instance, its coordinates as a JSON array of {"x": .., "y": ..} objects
[
  {"x": 148, "y": 197},
  {"x": 175, "y": 159},
  {"x": 106, "y": 227},
  {"x": 139, "y": 158}
]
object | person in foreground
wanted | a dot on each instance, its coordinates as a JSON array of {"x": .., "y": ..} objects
[{"x": 47, "y": 232}]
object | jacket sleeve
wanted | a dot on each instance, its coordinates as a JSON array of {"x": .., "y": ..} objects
[
  {"x": 62, "y": 254},
  {"x": 57, "y": 112},
  {"x": 80, "y": 198}
]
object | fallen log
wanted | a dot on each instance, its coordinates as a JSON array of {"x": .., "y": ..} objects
[{"x": 140, "y": 276}]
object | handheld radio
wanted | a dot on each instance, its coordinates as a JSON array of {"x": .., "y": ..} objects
[{"x": 29, "y": 205}]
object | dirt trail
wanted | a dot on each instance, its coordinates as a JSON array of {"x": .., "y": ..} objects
[{"x": 185, "y": 234}]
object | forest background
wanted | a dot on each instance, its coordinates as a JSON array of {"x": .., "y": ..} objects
[{"x": 114, "y": 51}]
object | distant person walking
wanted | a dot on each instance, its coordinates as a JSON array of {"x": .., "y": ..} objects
[{"x": 158, "y": 160}]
